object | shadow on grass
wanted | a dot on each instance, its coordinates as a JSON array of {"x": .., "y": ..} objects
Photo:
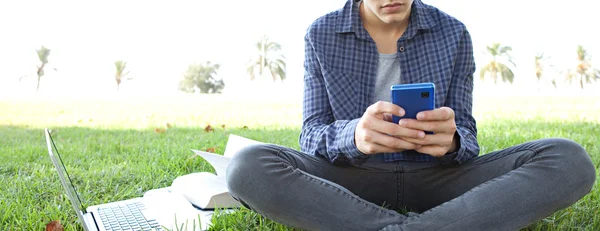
[{"x": 116, "y": 164}]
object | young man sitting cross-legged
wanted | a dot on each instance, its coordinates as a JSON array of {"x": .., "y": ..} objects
[{"x": 357, "y": 169}]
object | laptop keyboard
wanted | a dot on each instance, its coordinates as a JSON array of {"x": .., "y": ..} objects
[{"x": 126, "y": 217}]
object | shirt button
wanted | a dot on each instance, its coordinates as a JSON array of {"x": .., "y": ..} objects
[{"x": 401, "y": 49}]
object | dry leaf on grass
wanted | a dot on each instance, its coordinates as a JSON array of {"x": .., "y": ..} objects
[
  {"x": 245, "y": 127},
  {"x": 169, "y": 125},
  {"x": 160, "y": 130},
  {"x": 212, "y": 150},
  {"x": 223, "y": 126},
  {"x": 208, "y": 128},
  {"x": 54, "y": 226}
]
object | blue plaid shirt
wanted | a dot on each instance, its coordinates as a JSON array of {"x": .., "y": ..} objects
[{"x": 341, "y": 61}]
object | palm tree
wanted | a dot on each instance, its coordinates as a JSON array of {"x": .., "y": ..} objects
[
  {"x": 584, "y": 69},
  {"x": 539, "y": 66},
  {"x": 267, "y": 57},
  {"x": 496, "y": 66},
  {"x": 43, "y": 54},
  {"x": 119, "y": 75}
]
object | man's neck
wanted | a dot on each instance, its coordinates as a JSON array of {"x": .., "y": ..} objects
[{"x": 378, "y": 28}]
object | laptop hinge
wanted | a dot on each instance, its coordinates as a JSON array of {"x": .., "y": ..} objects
[{"x": 91, "y": 223}]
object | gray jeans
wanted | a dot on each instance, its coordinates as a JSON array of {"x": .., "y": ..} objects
[{"x": 503, "y": 190}]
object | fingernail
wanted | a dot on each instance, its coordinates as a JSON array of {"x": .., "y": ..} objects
[
  {"x": 402, "y": 123},
  {"x": 420, "y": 116},
  {"x": 418, "y": 146},
  {"x": 401, "y": 112},
  {"x": 421, "y": 135}
]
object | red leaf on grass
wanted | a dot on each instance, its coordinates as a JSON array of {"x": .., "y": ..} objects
[
  {"x": 208, "y": 128},
  {"x": 212, "y": 150},
  {"x": 54, "y": 226}
]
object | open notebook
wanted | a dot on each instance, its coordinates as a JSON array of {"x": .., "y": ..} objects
[{"x": 207, "y": 190}]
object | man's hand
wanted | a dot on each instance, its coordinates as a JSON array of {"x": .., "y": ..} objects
[
  {"x": 376, "y": 134},
  {"x": 439, "y": 121}
]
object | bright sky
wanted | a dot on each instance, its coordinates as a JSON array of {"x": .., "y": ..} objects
[{"x": 159, "y": 39}]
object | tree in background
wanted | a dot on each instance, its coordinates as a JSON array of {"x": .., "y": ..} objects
[
  {"x": 540, "y": 68},
  {"x": 201, "y": 76},
  {"x": 584, "y": 70},
  {"x": 43, "y": 54},
  {"x": 120, "y": 74},
  {"x": 267, "y": 57},
  {"x": 499, "y": 55}
]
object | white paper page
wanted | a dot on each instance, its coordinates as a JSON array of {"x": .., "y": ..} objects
[
  {"x": 235, "y": 143},
  {"x": 166, "y": 204},
  {"x": 199, "y": 187},
  {"x": 218, "y": 162}
]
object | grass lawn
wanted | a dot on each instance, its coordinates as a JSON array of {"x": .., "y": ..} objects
[{"x": 118, "y": 146}]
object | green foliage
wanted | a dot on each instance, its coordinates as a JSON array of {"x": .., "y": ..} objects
[
  {"x": 43, "y": 54},
  {"x": 201, "y": 77},
  {"x": 120, "y": 73},
  {"x": 584, "y": 72},
  {"x": 268, "y": 58},
  {"x": 496, "y": 67}
]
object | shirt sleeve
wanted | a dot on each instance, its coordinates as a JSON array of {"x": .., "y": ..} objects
[
  {"x": 323, "y": 135},
  {"x": 460, "y": 99}
]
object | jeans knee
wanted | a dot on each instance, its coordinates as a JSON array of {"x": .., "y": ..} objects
[
  {"x": 578, "y": 162},
  {"x": 243, "y": 170}
]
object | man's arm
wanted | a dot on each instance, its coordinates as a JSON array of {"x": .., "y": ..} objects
[
  {"x": 460, "y": 99},
  {"x": 321, "y": 133}
]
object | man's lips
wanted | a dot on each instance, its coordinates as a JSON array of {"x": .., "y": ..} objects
[{"x": 392, "y": 5}]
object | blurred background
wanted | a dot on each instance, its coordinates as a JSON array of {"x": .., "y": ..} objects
[{"x": 160, "y": 48}]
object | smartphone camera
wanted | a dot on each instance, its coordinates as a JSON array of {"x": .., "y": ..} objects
[{"x": 425, "y": 94}]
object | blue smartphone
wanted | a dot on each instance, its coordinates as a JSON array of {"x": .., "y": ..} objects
[{"x": 413, "y": 98}]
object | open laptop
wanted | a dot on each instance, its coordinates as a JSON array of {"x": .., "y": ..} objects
[{"x": 156, "y": 210}]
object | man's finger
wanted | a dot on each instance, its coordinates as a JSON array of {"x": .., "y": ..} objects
[
  {"x": 440, "y": 114},
  {"x": 393, "y": 129},
  {"x": 394, "y": 143},
  {"x": 373, "y": 148},
  {"x": 387, "y": 117},
  {"x": 380, "y": 108},
  {"x": 385, "y": 127},
  {"x": 433, "y": 139},
  {"x": 432, "y": 150},
  {"x": 430, "y": 126}
]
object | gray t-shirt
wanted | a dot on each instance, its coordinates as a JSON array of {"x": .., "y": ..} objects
[{"x": 388, "y": 74}]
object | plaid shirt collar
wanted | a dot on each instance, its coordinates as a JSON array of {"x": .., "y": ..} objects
[{"x": 349, "y": 21}]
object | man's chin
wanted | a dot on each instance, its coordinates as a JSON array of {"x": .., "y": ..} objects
[{"x": 394, "y": 19}]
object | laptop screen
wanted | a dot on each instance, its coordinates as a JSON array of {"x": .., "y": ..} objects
[{"x": 64, "y": 175}]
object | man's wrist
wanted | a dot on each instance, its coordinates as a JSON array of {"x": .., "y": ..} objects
[{"x": 455, "y": 143}]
